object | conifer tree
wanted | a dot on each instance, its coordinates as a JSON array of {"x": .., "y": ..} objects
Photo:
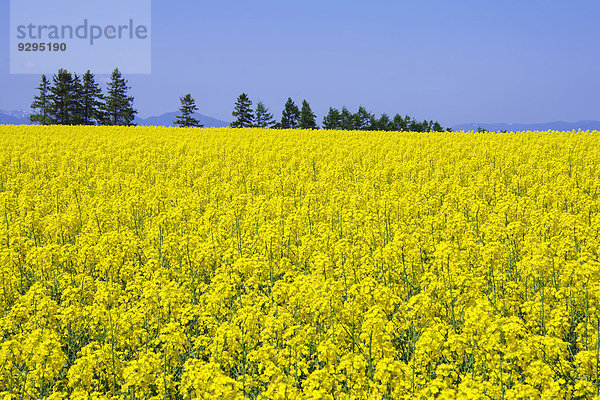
[
  {"x": 187, "y": 109},
  {"x": 364, "y": 120},
  {"x": 332, "y": 120},
  {"x": 62, "y": 98},
  {"x": 436, "y": 127},
  {"x": 118, "y": 108},
  {"x": 77, "y": 101},
  {"x": 243, "y": 112},
  {"x": 347, "y": 122},
  {"x": 264, "y": 119},
  {"x": 307, "y": 117},
  {"x": 90, "y": 108},
  {"x": 401, "y": 124},
  {"x": 290, "y": 115},
  {"x": 41, "y": 102},
  {"x": 384, "y": 123}
]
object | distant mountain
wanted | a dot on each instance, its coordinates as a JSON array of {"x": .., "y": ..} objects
[
  {"x": 167, "y": 119},
  {"x": 21, "y": 117},
  {"x": 547, "y": 126},
  {"x": 18, "y": 113}
]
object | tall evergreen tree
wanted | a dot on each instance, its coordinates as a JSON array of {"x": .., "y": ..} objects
[
  {"x": 384, "y": 123},
  {"x": 363, "y": 120},
  {"x": 307, "y": 117},
  {"x": 333, "y": 119},
  {"x": 290, "y": 115},
  {"x": 264, "y": 119},
  {"x": 90, "y": 100},
  {"x": 401, "y": 124},
  {"x": 41, "y": 102},
  {"x": 416, "y": 126},
  {"x": 187, "y": 109},
  {"x": 62, "y": 98},
  {"x": 436, "y": 127},
  {"x": 427, "y": 125},
  {"x": 77, "y": 99},
  {"x": 243, "y": 112},
  {"x": 118, "y": 108},
  {"x": 347, "y": 122}
]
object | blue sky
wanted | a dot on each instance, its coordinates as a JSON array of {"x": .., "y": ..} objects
[{"x": 453, "y": 61}]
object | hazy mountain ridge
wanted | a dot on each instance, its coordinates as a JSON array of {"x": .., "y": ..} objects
[
  {"x": 17, "y": 113},
  {"x": 21, "y": 117},
  {"x": 546, "y": 126},
  {"x": 168, "y": 118}
]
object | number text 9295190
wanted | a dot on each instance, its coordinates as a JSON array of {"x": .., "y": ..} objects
[{"x": 50, "y": 46}]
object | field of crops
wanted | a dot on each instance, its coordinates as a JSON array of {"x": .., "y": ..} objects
[{"x": 165, "y": 263}]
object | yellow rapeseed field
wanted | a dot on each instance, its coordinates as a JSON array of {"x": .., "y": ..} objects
[{"x": 166, "y": 263}]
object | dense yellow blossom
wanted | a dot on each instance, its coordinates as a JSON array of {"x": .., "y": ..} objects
[{"x": 164, "y": 263}]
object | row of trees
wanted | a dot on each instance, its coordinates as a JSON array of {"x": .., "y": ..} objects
[
  {"x": 364, "y": 120},
  {"x": 70, "y": 99},
  {"x": 293, "y": 117},
  {"x": 246, "y": 117}
]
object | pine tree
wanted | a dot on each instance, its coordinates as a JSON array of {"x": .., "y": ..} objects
[
  {"x": 264, "y": 119},
  {"x": 347, "y": 122},
  {"x": 77, "y": 100},
  {"x": 90, "y": 100},
  {"x": 290, "y": 115},
  {"x": 41, "y": 102},
  {"x": 187, "y": 109},
  {"x": 243, "y": 112},
  {"x": 333, "y": 119},
  {"x": 62, "y": 98},
  {"x": 427, "y": 125},
  {"x": 118, "y": 108},
  {"x": 384, "y": 123},
  {"x": 416, "y": 126},
  {"x": 401, "y": 124},
  {"x": 307, "y": 117},
  {"x": 364, "y": 120},
  {"x": 436, "y": 127}
]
